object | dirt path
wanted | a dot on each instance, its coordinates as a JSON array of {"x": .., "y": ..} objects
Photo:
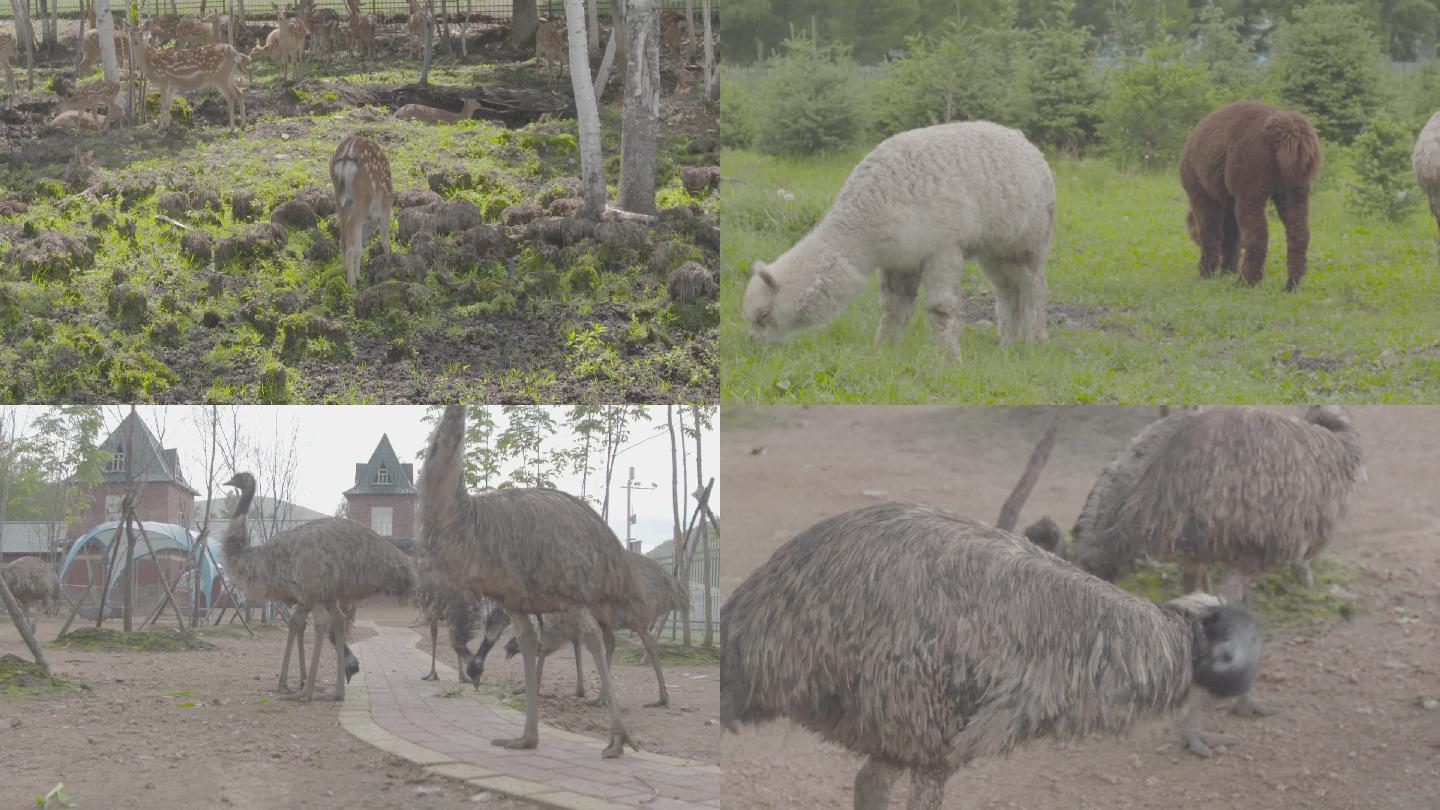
[{"x": 1349, "y": 734}]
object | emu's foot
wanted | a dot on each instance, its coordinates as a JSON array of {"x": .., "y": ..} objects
[
  {"x": 522, "y": 743},
  {"x": 618, "y": 741},
  {"x": 580, "y": 692},
  {"x": 303, "y": 697},
  {"x": 432, "y": 677},
  {"x": 1246, "y": 706},
  {"x": 1200, "y": 742},
  {"x": 662, "y": 702},
  {"x": 596, "y": 701}
]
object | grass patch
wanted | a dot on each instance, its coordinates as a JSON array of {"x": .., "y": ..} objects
[
  {"x": 670, "y": 655},
  {"x": 22, "y": 679},
  {"x": 453, "y": 692},
  {"x": 1129, "y": 318},
  {"x": 516, "y": 703},
  {"x": 1278, "y": 599},
  {"x": 152, "y": 639},
  {"x": 238, "y": 630}
]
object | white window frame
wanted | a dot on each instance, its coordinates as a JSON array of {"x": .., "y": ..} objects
[
  {"x": 112, "y": 506},
  {"x": 382, "y": 520},
  {"x": 382, "y": 475}
]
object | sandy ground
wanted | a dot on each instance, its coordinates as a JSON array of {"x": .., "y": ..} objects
[
  {"x": 125, "y": 743},
  {"x": 1349, "y": 733}
]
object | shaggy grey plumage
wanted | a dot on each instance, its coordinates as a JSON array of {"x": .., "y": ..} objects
[
  {"x": 32, "y": 582},
  {"x": 924, "y": 640},
  {"x": 323, "y": 563},
  {"x": 660, "y": 592},
  {"x": 528, "y": 550},
  {"x": 460, "y": 612},
  {"x": 915, "y": 209}
]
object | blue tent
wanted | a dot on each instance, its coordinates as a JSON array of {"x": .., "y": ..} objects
[{"x": 162, "y": 536}]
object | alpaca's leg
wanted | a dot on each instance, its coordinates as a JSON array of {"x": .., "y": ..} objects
[
  {"x": 872, "y": 785},
  {"x": 337, "y": 637},
  {"x": 942, "y": 274},
  {"x": 1434, "y": 211},
  {"x": 927, "y": 788},
  {"x": 296, "y": 626},
  {"x": 1293, "y": 206},
  {"x": 1229, "y": 241},
  {"x": 1254, "y": 237},
  {"x": 579, "y": 669},
  {"x": 434, "y": 636},
  {"x": 897, "y": 303},
  {"x": 1030, "y": 279},
  {"x": 1209, "y": 230},
  {"x": 590, "y": 631},
  {"x": 1001, "y": 275},
  {"x": 529, "y": 644},
  {"x": 654, "y": 650}
]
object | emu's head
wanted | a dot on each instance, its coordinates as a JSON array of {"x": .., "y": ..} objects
[
  {"x": 1331, "y": 417},
  {"x": 1227, "y": 648},
  {"x": 782, "y": 298},
  {"x": 475, "y": 667},
  {"x": 242, "y": 481},
  {"x": 512, "y": 647},
  {"x": 1045, "y": 534},
  {"x": 352, "y": 664}
]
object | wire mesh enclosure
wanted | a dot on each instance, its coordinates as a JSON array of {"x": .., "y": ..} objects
[{"x": 261, "y": 9}]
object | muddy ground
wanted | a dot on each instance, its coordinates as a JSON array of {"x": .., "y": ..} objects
[
  {"x": 125, "y": 742},
  {"x": 1350, "y": 731}
]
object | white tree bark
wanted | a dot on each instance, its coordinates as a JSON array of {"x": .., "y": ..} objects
[
  {"x": 587, "y": 114},
  {"x": 105, "y": 28},
  {"x": 592, "y": 33},
  {"x": 689, "y": 31},
  {"x": 712, "y": 87},
  {"x": 26, "y": 35},
  {"x": 642, "y": 107}
]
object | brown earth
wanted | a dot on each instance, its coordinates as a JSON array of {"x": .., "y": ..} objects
[
  {"x": 125, "y": 742},
  {"x": 1350, "y": 732}
]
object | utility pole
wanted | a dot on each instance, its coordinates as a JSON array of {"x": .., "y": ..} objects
[{"x": 630, "y": 485}]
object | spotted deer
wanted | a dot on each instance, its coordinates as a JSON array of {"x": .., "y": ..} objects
[
  {"x": 417, "y": 23},
  {"x": 182, "y": 70},
  {"x": 551, "y": 47},
  {"x": 90, "y": 50},
  {"x": 672, "y": 30},
  {"x": 7, "y": 52},
  {"x": 363, "y": 195},
  {"x": 160, "y": 27},
  {"x": 435, "y": 115},
  {"x": 89, "y": 97},
  {"x": 189, "y": 33},
  {"x": 324, "y": 24},
  {"x": 280, "y": 49}
]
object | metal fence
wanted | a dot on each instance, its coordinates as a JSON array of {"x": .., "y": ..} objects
[
  {"x": 262, "y": 9},
  {"x": 698, "y": 570}
]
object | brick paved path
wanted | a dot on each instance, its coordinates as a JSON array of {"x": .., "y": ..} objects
[{"x": 388, "y": 706}]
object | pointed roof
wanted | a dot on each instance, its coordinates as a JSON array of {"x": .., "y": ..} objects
[
  {"x": 145, "y": 459},
  {"x": 398, "y": 479}
]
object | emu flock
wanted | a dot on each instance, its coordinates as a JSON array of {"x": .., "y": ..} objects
[
  {"x": 923, "y": 640},
  {"x": 539, "y": 556}
]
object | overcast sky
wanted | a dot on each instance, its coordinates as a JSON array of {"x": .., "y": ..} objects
[{"x": 333, "y": 438}]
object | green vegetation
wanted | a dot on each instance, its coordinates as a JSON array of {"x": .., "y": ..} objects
[
  {"x": 20, "y": 678},
  {"x": 671, "y": 655},
  {"x": 1280, "y": 601},
  {"x": 151, "y": 639}
]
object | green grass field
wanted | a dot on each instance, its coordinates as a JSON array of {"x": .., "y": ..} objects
[{"x": 1130, "y": 320}]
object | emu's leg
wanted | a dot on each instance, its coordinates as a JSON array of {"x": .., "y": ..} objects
[
  {"x": 872, "y": 785},
  {"x": 435, "y": 634},
  {"x": 1236, "y": 587},
  {"x": 298, "y": 617},
  {"x": 1293, "y": 205},
  {"x": 654, "y": 650},
  {"x": 1208, "y": 220},
  {"x": 1194, "y": 740},
  {"x": 1229, "y": 241},
  {"x": 1254, "y": 237},
  {"x": 897, "y": 303},
  {"x": 590, "y": 630},
  {"x": 927, "y": 788},
  {"x": 525, "y": 634},
  {"x": 1307, "y": 577},
  {"x": 579, "y": 669},
  {"x": 942, "y": 273},
  {"x": 608, "y": 637},
  {"x": 321, "y": 632},
  {"x": 337, "y": 637}
]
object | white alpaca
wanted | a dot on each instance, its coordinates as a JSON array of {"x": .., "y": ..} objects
[
  {"x": 1426, "y": 162},
  {"x": 915, "y": 208}
]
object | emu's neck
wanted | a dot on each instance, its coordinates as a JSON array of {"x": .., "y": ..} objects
[{"x": 237, "y": 538}]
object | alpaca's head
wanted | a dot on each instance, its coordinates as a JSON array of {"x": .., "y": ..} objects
[
  {"x": 801, "y": 289},
  {"x": 1227, "y": 648}
]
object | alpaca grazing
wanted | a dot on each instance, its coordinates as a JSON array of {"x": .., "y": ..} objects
[
  {"x": 915, "y": 209},
  {"x": 1247, "y": 488},
  {"x": 1235, "y": 160},
  {"x": 321, "y": 564},
  {"x": 925, "y": 640},
  {"x": 659, "y": 594},
  {"x": 32, "y": 582},
  {"x": 460, "y": 612},
  {"x": 1425, "y": 160},
  {"x": 530, "y": 551}
]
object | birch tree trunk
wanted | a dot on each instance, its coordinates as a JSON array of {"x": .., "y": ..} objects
[
  {"x": 524, "y": 17},
  {"x": 689, "y": 30},
  {"x": 105, "y": 29},
  {"x": 429, "y": 49},
  {"x": 642, "y": 107},
  {"x": 587, "y": 114},
  {"x": 26, "y": 34},
  {"x": 674, "y": 475},
  {"x": 592, "y": 33},
  {"x": 712, "y": 87}
]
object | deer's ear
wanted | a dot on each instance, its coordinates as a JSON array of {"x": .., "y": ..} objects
[{"x": 763, "y": 271}]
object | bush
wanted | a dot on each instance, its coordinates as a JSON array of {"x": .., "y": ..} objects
[
  {"x": 812, "y": 100},
  {"x": 1386, "y": 188},
  {"x": 1225, "y": 56},
  {"x": 1326, "y": 64},
  {"x": 737, "y": 114},
  {"x": 965, "y": 75},
  {"x": 1151, "y": 104},
  {"x": 1063, "y": 82}
]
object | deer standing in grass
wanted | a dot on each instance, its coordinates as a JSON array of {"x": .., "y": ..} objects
[
  {"x": 189, "y": 33},
  {"x": 551, "y": 47},
  {"x": 282, "y": 49},
  {"x": 88, "y": 97},
  {"x": 363, "y": 195},
  {"x": 182, "y": 70},
  {"x": 7, "y": 52},
  {"x": 435, "y": 115},
  {"x": 360, "y": 30},
  {"x": 90, "y": 50}
]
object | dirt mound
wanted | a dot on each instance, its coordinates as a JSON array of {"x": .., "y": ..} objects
[{"x": 21, "y": 678}]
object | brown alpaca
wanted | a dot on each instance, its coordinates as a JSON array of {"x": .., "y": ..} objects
[{"x": 1236, "y": 159}]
